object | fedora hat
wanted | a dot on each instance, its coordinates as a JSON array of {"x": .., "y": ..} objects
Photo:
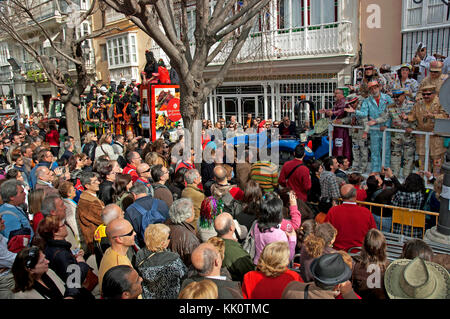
[
  {"x": 416, "y": 279},
  {"x": 330, "y": 269}
]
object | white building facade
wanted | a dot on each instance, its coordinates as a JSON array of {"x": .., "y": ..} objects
[
  {"x": 298, "y": 49},
  {"x": 38, "y": 90},
  {"x": 426, "y": 21}
]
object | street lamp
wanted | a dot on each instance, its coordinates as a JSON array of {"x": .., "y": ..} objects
[{"x": 15, "y": 88}]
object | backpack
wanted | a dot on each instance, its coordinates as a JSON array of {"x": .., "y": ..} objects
[
  {"x": 20, "y": 238},
  {"x": 152, "y": 216},
  {"x": 249, "y": 242}
]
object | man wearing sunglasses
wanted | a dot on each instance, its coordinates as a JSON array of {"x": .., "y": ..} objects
[
  {"x": 121, "y": 236},
  {"x": 424, "y": 114},
  {"x": 435, "y": 78},
  {"x": 402, "y": 144}
]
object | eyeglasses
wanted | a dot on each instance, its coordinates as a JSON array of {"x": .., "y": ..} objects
[
  {"x": 427, "y": 94},
  {"x": 126, "y": 235},
  {"x": 32, "y": 253}
]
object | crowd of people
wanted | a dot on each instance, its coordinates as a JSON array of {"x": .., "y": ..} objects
[
  {"x": 127, "y": 218},
  {"x": 124, "y": 218}
]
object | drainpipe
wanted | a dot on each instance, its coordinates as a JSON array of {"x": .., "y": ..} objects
[{"x": 357, "y": 65}]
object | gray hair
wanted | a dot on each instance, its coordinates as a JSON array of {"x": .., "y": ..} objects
[
  {"x": 40, "y": 171},
  {"x": 181, "y": 210},
  {"x": 226, "y": 227},
  {"x": 349, "y": 195},
  {"x": 139, "y": 188},
  {"x": 191, "y": 175},
  {"x": 110, "y": 212},
  {"x": 9, "y": 189},
  {"x": 209, "y": 256},
  {"x": 48, "y": 204}
]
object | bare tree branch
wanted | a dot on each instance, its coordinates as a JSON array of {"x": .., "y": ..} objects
[
  {"x": 240, "y": 19},
  {"x": 219, "y": 48}
]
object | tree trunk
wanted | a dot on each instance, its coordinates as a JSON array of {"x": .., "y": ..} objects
[{"x": 73, "y": 125}]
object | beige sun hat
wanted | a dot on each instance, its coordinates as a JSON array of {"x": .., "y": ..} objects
[{"x": 416, "y": 279}]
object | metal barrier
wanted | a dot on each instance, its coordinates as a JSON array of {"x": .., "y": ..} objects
[
  {"x": 383, "y": 155},
  {"x": 407, "y": 210}
]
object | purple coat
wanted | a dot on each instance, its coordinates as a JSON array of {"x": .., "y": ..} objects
[{"x": 342, "y": 144}]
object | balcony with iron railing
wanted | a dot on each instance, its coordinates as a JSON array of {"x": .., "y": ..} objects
[{"x": 323, "y": 40}]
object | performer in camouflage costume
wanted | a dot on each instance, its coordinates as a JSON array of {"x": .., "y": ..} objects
[
  {"x": 360, "y": 146},
  {"x": 403, "y": 145}
]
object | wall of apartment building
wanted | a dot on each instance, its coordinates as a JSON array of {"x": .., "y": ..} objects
[
  {"x": 143, "y": 42},
  {"x": 380, "y": 31}
]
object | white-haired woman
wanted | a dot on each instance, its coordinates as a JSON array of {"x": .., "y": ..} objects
[
  {"x": 162, "y": 271},
  {"x": 184, "y": 237}
]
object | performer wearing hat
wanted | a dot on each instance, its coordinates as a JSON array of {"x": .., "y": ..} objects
[
  {"x": 370, "y": 75},
  {"x": 372, "y": 108},
  {"x": 360, "y": 146},
  {"x": 421, "y": 62},
  {"x": 403, "y": 80},
  {"x": 341, "y": 137},
  {"x": 435, "y": 78},
  {"x": 402, "y": 144},
  {"x": 424, "y": 113}
]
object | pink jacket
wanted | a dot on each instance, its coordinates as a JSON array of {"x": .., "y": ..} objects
[{"x": 278, "y": 234}]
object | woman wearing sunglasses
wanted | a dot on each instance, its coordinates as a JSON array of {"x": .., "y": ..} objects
[
  {"x": 62, "y": 260},
  {"x": 33, "y": 278}
]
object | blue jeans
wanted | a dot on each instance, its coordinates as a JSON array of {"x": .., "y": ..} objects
[
  {"x": 387, "y": 223},
  {"x": 376, "y": 150}
]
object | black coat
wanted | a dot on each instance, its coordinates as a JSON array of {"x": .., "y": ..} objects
[
  {"x": 60, "y": 257},
  {"x": 106, "y": 192}
]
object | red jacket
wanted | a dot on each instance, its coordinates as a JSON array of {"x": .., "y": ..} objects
[
  {"x": 130, "y": 169},
  {"x": 257, "y": 286},
  {"x": 52, "y": 138},
  {"x": 299, "y": 181},
  {"x": 352, "y": 223}
]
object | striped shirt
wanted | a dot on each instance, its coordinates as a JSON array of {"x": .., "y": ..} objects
[{"x": 266, "y": 175}]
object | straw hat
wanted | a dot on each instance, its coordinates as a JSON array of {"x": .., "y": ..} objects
[{"x": 416, "y": 279}]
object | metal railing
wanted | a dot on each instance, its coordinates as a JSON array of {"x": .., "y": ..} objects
[
  {"x": 383, "y": 206},
  {"x": 385, "y": 131}
]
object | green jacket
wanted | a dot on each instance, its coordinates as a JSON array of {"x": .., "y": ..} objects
[{"x": 237, "y": 260}]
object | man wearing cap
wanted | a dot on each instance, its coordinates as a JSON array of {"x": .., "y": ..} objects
[
  {"x": 370, "y": 75},
  {"x": 331, "y": 281},
  {"x": 403, "y": 80},
  {"x": 424, "y": 114},
  {"x": 435, "y": 78},
  {"x": 402, "y": 144},
  {"x": 422, "y": 61},
  {"x": 372, "y": 108},
  {"x": 341, "y": 137},
  {"x": 360, "y": 146}
]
